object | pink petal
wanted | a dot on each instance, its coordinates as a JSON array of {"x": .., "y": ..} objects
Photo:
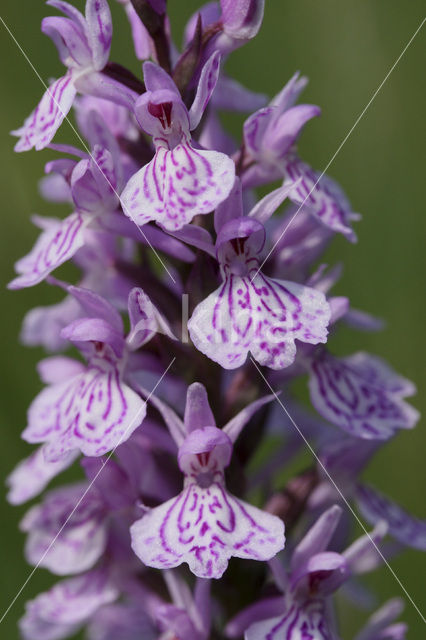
[
  {"x": 177, "y": 185},
  {"x": 205, "y": 527},
  {"x": 57, "y": 613},
  {"x": 320, "y": 196},
  {"x": 33, "y": 474},
  {"x": 78, "y": 544},
  {"x": 99, "y": 31},
  {"x": 264, "y": 317},
  {"x": 205, "y": 88},
  {"x": 198, "y": 413},
  {"x": 53, "y": 247},
  {"x": 361, "y": 395},
  {"x": 309, "y": 620},
  {"x": 40, "y": 127},
  {"x": 94, "y": 412},
  {"x": 404, "y": 527}
]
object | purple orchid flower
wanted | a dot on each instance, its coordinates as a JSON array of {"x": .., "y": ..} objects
[
  {"x": 270, "y": 136},
  {"x": 205, "y": 525},
  {"x": 64, "y": 609},
  {"x": 251, "y": 312},
  {"x": 232, "y": 23},
  {"x": 83, "y": 43},
  {"x": 361, "y": 394},
  {"x": 91, "y": 408},
  {"x": 93, "y": 184},
  {"x": 80, "y": 543},
  {"x": 181, "y": 181},
  {"x": 304, "y": 609}
]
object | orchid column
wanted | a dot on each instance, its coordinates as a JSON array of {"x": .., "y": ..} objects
[{"x": 197, "y": 306}]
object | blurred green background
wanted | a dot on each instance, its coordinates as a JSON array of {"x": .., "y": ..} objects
[{"x": 346, "y": 49}]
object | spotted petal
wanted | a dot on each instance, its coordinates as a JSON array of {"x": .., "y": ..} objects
[
  {"x": 33, "y": 474},
  {"x": 178, "y": 185},
  {"x": 308, "y": 621},
  {"x": 264, "y": 316},
  {"x": 66, "y": 533},
  {"x": 55, "y": 245},
  {"x": 59, "y": 612},
  {"x": 321, "y": 196},
  {"x": 361, "y": 395},
  {"x": 403, "y": 527},
  {"x": 93, "y": 411},
  {"x": 99, "y": 31},
  {"x": 205, "y": 527},
  {"x": 40, "y": 127}
]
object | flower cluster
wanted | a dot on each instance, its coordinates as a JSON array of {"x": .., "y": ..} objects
[{"x": 187, "y": 283}]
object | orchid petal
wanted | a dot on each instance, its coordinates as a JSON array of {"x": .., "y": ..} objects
[
  {"x": 177, "y": 185},
  {"x": 145, "y": 320},
  {"x": 99, "y": 31},
  {"x": 40, "y": 127},
  {"x": 266, "y": 207},
  {"x": 33, "y": 474},
  {"x": 230, "y": 95},
  {"x": 197, "y": 237},
  {"x": 95, "y": 306},
  {"x": 58, "y": 369},
  {"x": 361, "y": 395},
  {"x": 102, "y": 86},
  {"x": 59, "y": 612},
  {"x": 309, "y": 620},
  {"x": 205, "y": 88},
  {"x": 318, "y": 536},
  {"x": 94, "y": 330},
  {"x": 404, "y": 527},
  {"x": 93, "y": 411},
  {"x": 205, "y": 527},
  {"x": 53, "y": 247},
  {"x": 156, "y": 78},
  {"x": 231, "y": 208},
  {"x": 242, "y": 18},
  {"x": 234, "y": 427},
  {"x": 364, "y": 555},
  {"x": 69, "y": 39},
  {"x": 198, "y": 413},
  {"x": 74, "y": 520},
  {"x": 255, "y": 128},
  {"x": 320, "y": 196},
  {"x": 263, "y": 316},
  {"x": 69, "y": 11},
  {"x": 122, "y": 621}
]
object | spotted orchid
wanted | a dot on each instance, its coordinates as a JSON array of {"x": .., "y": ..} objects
[
  {"x": 83, "y": 44},
  {"x": 91, "y": 408},
  {"x": 304, "y": 607},
  {"x": 361, "y": 394},
  {"x": 270, "y": 136},
  {"x": 181, "y": 181},
  {"x": 251, "y": 312},
  {"x": 164, "y": 223},
  {"x": 204, "y": 525}
]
